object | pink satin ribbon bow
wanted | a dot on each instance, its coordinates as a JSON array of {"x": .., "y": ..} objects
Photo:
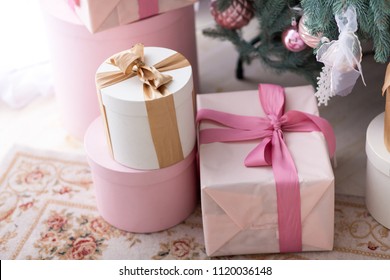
[{"x": 272, "y": 150}]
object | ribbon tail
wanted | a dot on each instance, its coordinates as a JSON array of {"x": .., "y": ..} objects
[
  {"x": 261, "y": 155},
  {"x": 288, "y": 196},
  {"x": 151, "y": 93}
]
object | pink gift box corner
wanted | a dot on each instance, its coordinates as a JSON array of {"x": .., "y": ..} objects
[
  {"x": 101, "y": 15},
  {"x": 239, "y": 207}
]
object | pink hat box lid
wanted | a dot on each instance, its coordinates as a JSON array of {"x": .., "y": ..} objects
[
  {"x": 139, "y": 200},
  {"x": 98, "y": 153}
]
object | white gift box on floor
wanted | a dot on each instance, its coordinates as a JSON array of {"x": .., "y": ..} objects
[
  {"x": 378, "y": 172},
  {"x": 239, "y": 205},
  {"x": 147, "y": 132}
]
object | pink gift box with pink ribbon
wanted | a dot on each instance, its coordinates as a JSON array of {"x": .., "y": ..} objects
[
  {"x": 99, "y": 15},
  {"x": 267, "y": 184}
]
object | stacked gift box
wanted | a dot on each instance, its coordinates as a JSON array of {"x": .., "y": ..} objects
[
  {"x": 144, "y": 167},
  {"x": 84, "y": 33},
  {"x": 264, "y": 175}
]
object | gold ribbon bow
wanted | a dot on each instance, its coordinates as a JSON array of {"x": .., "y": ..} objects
[
  {"x": 161, "y": 111},
  {"x": 386, "y": 91},
  {"x": 132, "y": 63}
]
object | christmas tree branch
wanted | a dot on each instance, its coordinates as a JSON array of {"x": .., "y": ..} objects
[
  {"x": 274, "y": 17},
  {"x": 373, "y": 21}
]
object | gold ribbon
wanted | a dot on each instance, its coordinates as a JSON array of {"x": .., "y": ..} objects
[
  {"x": 132, "y": 63},
  {"x": 386, "y": 91},
  {"x": 161, "y": 111}
]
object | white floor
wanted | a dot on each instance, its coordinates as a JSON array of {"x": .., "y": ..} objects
[{"x": 38, "y": 124}]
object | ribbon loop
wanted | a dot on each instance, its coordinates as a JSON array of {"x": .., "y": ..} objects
[
  {"x": 126, "y": 60},
  {"x": 132, "y": 63},
  {"x": 152, "y": 77}
]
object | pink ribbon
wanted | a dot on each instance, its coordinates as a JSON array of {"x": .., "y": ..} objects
[
  {"x": 272, "y": 150},
  {"x": 147, "y": 8}
]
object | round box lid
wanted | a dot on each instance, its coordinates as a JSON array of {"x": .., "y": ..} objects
[
  {"x": 127, "y": 96},
  {"x": 375, "y": 147}
]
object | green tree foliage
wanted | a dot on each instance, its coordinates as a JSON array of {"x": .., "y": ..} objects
[{"x": 274, "y": 16}]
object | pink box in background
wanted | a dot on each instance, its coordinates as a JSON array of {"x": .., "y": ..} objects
[
  {"x": 239, "y": 205},
  {"x": 137, "y": 200},
  {"x": 76, "y": 54},
  {"x": 99, "y": 15}
]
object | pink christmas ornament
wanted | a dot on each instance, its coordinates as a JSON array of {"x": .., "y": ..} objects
[
  {"x": 291, "y": 39},
  {"x": 236, "y": 16}
]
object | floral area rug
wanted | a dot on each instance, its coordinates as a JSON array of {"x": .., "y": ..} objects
[{"x": 48, "y": 211}]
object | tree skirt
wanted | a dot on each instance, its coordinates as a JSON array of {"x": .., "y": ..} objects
[{"x": 48, "y": 211}]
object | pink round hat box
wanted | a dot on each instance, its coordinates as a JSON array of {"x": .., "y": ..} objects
[
  {"x": 137, "y": 200},
  {"x": 76, "y": 54}
]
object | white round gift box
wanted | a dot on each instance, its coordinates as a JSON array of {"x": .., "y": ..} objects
[
  {"x": 378, "y": 172},
  {"x": 132, "y": 138}
]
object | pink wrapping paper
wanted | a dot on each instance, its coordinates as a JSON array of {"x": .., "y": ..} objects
[
  {"x": 239, "y": 203},
  {"x": 99, "y": 15}
]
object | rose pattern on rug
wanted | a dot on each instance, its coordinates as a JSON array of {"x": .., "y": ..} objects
[
  {"x": 82, "y": 237},
  {"x": 64, "y": 238},
  {"x": 185, "y": 248},
  {"x": 48, "y": 211}
]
